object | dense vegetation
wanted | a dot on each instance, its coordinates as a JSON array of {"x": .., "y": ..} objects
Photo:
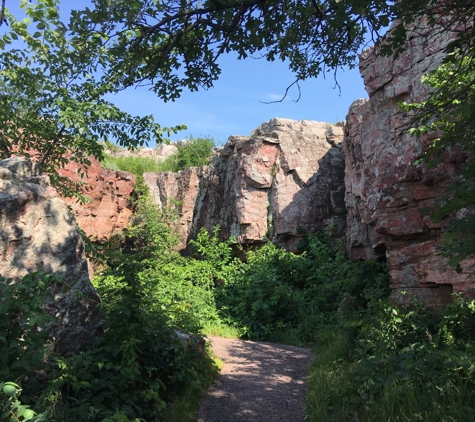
[{"x": 374, "y": 361}]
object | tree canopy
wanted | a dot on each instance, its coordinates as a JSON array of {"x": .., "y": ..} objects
[{"x": 171, "y": 45}]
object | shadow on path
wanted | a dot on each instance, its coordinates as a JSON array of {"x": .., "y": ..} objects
[{"x": 263, "y": 382}]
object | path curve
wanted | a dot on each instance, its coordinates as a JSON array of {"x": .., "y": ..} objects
[{"x": 260, "y": 381}]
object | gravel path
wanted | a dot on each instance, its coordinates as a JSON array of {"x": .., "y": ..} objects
[{"x": 262, "y": 382}]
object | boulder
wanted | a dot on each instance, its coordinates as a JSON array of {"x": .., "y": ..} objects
[
  {"x": 387, "y": 187},
  {"x": 286, "y": 177},
  {"x": 38, "y": 233}
]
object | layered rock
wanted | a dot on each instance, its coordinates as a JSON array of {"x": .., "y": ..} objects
[
  {"x": 110, "y": 192},
  {"x": 37, "y": 233},
  {"x": 387, "y": 187},
  {"x": 161, "y": 153},
  {"x": 287, "y": 176}
]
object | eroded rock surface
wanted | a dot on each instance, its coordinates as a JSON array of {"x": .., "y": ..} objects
[
  {"x": 161, "y": 153},
  {"x": 387, "y": 190},
  {"x": 110, "y": 192},
  {"x": 37, "y": 233},
  {"x": 287, "y": 175}
]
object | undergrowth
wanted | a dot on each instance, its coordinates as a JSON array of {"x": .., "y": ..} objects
[
  {"x": 374, "y": 361},
  {"x": 402, "y": 364}
]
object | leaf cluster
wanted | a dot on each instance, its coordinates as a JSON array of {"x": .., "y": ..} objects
[
  {"x": 194, "y": 152},
  {"x": 411, "y": 349}
]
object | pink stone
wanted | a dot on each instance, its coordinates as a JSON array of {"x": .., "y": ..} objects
[{"x": 386, "y": 189}]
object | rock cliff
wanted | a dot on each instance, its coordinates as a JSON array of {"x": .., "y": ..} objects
[
  {"x": 110, "y": 191},
  {"x": 386, "y": 188},
  {"x": 286, "y": 176},
  {"x": 37, "y": 233}
]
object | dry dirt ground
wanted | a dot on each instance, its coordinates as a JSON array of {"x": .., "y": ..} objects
[{"x": 262, "y": 382}]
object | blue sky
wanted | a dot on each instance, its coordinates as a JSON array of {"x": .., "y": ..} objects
[{"x": 235, "y": 105}]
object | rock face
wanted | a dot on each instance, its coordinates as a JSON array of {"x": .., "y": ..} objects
[
  {"x": 287, "y": 175},
  {"x": 110, "y": 192},
  {"x": 386, "y": 188},
  {"x": 37, "y": 233},
  {"x": 161, "y": 153},
  {"x": 184, "y": 187}
]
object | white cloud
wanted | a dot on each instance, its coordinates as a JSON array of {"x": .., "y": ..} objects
[{"x": 276, "y": 97}]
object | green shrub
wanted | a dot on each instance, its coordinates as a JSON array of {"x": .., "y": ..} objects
[
  {"x": 133, "y": 164},
  {"x": 195, "y": 152},
  {"x": 276, "y": 291},
  {"x": 23, "y": 334},
  {"x": 24, "y": 342}
]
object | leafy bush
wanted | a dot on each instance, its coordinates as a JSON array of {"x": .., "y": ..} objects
[
  {"x": 276, "y": 290},
  {"x": 138, "y": 366},
  {"x": 11, "y": 408},
  {"x": 134, "y": 164},
  {"x": 23, "y": 322},
  {"x": 195, "y": 152}
]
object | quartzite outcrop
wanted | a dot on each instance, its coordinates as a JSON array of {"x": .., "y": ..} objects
[
  {"x": 109, "y": 191},
  {"x": 387, "y": 188},
  {"x": 37, "y": 233},
  {"x": 287, "y": 176}
]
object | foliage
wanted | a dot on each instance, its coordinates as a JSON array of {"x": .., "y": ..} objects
[
  {"x": 133, "y": 164},
  {"x": 135, "y": 367},
  {"x": 23, "y": 341},
  {"x": 111, "y": 146},
  {"x": 138, "y": 366},
  {"x": 276, "y": 290},
  {"x": 449, "y": 113},
  {"x": 216, "y": 255},
  {"x": 406, "y": 364},
  {"x": 58, "y": 112},
  {"x": 23, "y": 323},
  {"x": 195, "y": 152},
  {"x": 175, "y": 44},
  {"x": 11, "y": 407}
]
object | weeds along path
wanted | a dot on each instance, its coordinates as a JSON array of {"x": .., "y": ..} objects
[{"x": 262, "y": 382}]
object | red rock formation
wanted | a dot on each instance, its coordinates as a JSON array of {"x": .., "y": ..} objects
[
  {"x": 110, "y": 191},
  {"x": 287, "y": 175},
  {"x": 37, "y": 233},
  {"x": 182, "y": 187},
  {"x": 387, "y": 189}
]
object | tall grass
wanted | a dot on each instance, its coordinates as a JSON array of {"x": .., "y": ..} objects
[
  {"x": 136, "y": 164},
  {"x": 329, "y": 378},
  {"x": 402, "y": 365},
  {"x": 220, "y": 329}
]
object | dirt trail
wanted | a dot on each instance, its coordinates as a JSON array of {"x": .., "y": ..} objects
[{"x": 262, "y": 382}]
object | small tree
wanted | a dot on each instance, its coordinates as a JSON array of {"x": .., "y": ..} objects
[{"x": 52, "y": 95}]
